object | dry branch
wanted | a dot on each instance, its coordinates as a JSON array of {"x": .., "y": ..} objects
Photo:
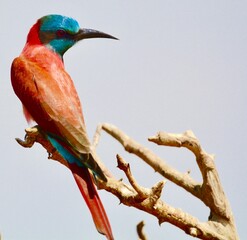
[
  {"x": 140, "y": 232},
  {"x": 220, "y": 224}
]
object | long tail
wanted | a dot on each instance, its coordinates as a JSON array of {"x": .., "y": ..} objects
[{"x": 91, "y": 197}]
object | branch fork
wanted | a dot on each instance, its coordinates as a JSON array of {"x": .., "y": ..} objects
[{"x": 220, "y": 224}]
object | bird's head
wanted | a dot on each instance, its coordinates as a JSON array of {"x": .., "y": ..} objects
[{"x": 60, "y": 33}]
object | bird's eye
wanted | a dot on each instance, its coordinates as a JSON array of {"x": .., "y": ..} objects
[{"x": 61, "y": 33}]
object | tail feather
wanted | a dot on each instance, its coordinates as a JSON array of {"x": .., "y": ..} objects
[{"x": 87, "y": 188}]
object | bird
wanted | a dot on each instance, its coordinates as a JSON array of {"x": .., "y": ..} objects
[{"x": 50, "y": 99}]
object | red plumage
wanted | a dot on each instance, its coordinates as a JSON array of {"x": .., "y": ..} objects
[{"x": 49, "y": 98}]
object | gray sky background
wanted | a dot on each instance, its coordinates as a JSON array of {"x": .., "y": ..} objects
[{"x": 179, "y": 65}]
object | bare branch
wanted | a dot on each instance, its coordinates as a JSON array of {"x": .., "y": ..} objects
[
  {"x": 212, "y": 193},
  {"x": 159, "y": 165},
  {"x": 35, "y": 134},
  {"x": 220, "y": 225}
]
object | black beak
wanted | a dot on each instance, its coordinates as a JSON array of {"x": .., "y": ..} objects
[{"x": 90, "y": 33}]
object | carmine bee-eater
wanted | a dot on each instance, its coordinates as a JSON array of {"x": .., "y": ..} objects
[{"x": 50, "y": 99}]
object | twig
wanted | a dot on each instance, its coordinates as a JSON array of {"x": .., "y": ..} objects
[
  {"x": 126, "y": 168},
  {"x": 140, "y": 232}
]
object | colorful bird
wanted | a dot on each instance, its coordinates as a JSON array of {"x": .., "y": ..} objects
[{"x": 49, "y": 98}]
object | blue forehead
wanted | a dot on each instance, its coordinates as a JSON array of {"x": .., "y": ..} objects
[{"x": 55, "y": 22}]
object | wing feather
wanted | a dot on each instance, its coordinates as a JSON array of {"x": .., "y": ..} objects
[{"x": 52, "y": 101}]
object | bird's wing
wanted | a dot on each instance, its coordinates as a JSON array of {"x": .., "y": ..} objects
[{"x": 52, "y": 101}]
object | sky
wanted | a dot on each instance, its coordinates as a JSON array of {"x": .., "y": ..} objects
[{"x": 178, "y": 65}]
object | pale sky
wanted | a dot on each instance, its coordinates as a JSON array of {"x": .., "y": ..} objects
[{"x": 179, "y": 65}]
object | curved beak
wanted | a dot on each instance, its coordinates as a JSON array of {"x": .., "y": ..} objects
[{"x": 90, "y": 33}]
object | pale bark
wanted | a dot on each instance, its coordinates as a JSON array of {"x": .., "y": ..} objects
[{"x": 220, "y": 224}]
